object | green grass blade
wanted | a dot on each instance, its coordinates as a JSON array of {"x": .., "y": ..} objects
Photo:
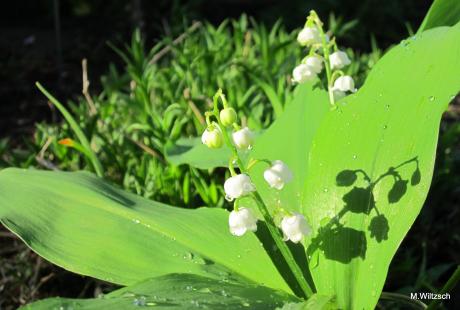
[{"x": 76, "y": 129}]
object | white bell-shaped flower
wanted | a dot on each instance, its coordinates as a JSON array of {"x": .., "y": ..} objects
[
  {"x": 303, "y": 73},
  {"x": 238, "y": 186},
  {"x": 241, "y": 220},
  {"x": 345, "y": 83},
  {"x": 308, "y": 36},
  {"x": 295, "y": 227},
  {"x": 212, "y": 137},
  {"x": 315, "y": 63},
  {"x": 243, "y": 138},
  {"x": 278, "y": 174},
  {"x": 339, "y": 60}
]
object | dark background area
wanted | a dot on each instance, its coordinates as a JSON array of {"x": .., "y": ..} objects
[
  {"x": 29, "y": 47},
  {"x": 29, "y": 52}
]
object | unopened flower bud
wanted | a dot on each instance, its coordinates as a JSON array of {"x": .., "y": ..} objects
[
  {"x": 295, "y": 227},
  {"x": 339, "y": 60},
  {"x": 308, "y": 36},
  {"x": 243, "y": 138},
  {"x": 315, "y": 63},
  {"x": 238, "y": 186},
  {"x": 278, "y": 175},
  {"x": 303, "y": 73},
  {"x": 241, "y": 220},
  {"x": 227, "y": 116},
  {"x": 212, "y": 137},
  {"x": 345, "y": 83}
]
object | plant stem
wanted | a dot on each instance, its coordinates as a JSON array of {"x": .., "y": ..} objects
[
  {"x": 327, "y": 63},
  {"x": 282, "y": 246},
  {"x": 450, "y": 284}
]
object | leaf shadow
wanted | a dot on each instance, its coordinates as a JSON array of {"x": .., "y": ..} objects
[
  {"x": 297, "y": 250},
  {"x": 341, "y": 243}
]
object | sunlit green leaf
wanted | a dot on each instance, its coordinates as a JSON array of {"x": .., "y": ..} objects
[
  {"x": 87, "y": 226},
  {"x": 178, "y": 291},
  {"x": 363, "y": 178}
]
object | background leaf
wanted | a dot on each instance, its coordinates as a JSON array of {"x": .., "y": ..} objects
[
  {"x": 177, "y": 291},
  {"x": 385, "y": 133},
  {"x": 83, "y": 224},
  {"x": 441, "y": 13}
]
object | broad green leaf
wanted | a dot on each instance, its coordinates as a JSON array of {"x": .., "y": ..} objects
[
  {"x": 194, "y": 153},
  {"x": 177, "y": 291},
  {"x": 441, "y": 13},
  {"x": 363, "y": 178},
  {"x": 81, "y": 223}
]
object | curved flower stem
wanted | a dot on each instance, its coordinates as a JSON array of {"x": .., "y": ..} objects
[
  {"x": 274, "y": 231},
  {"x": 326, "y": 53}
]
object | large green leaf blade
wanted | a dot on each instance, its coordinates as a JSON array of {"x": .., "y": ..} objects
[
  {"x": 441, "y": 13},
  {"x": 83, "y": 224},
  {"x": 193, "y": 152},
  {"x": 387, "y": 132},
  {"x": 177, "y": 291}
]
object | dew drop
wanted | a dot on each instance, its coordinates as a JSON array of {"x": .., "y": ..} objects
[
  {"x": 195, "y": 303},
  {"x": 188, "y": 256},
  {"x": 385, "y": 126},
  {"x": 355, "y": 156},
  {"x": 387, "y": 106},
  {"x": 246, "y": 304},
  {"x": 136, "y": 221},
  {"x": 140, "y": 301},
  {"x": 325, "y": 190},
  {"x": 205, "y": 290},
  {"x": 432, "y": 98}
]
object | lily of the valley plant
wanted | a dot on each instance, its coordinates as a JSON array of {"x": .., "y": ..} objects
[{"x": 320, "y": 201}]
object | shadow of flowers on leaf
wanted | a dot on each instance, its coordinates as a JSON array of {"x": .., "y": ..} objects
[
  {"x": 341, "y": 243},
  {"x": 379, "y": 228}
]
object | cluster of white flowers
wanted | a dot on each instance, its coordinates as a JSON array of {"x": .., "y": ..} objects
[
  {"x": 241, "y": 219},
  {"x": 312, "y": 36}
]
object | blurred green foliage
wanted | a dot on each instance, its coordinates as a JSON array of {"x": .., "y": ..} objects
[{"x": 161, "y": 96}]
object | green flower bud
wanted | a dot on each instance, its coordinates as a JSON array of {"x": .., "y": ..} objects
[
  {"x": 212, "y": 137},
  {"x": 228, "y": 116}
]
